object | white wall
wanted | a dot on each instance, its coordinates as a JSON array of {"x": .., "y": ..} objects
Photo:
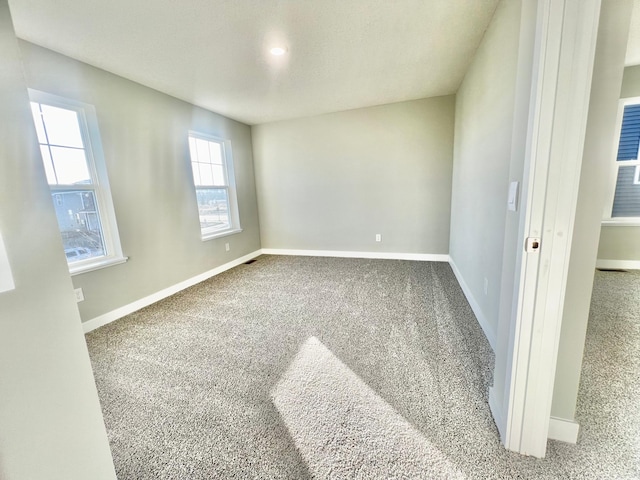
[
  {"x": 600, "y": 137},
  {"x": 50, "y": 420},
  {"x": 332, "y": 182},
  {"x": 144, "y": 137},
  {"x": 485, "y": 106}
]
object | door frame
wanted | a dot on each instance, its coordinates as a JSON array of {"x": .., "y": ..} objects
[{"x": 563, "y": 58}]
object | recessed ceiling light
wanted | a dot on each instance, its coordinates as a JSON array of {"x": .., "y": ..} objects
[{"x": 278, "y": 51}]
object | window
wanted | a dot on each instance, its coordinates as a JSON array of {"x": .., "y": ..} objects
[
  {"x": 213, "y": 178},
  {"x": 626, "y": 200},
  {"x": 625, "y": 197},
  {"x": 74, "y": 166}
]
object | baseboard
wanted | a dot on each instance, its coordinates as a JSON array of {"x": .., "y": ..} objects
[
  {"x": 113, "y": 315},
  {"x": 618, "y": 264},
  {"x": 482, "y": 320},
  {"x": 559, "y": 429},
  {"x": 496, "y": 411},
  {"x": 563, "y": 430},
  {"x": 423, "y": 257}
]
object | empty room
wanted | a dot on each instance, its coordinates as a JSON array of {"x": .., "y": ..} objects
[{"x": 288, "y": 239}]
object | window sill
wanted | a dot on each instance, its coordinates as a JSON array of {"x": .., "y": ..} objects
[
  {"x": 224, "y": 233},
  {"x": 98, "y": 264},
  {"x": 621, "y": 222}
]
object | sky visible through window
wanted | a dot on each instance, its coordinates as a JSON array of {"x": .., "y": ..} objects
[
  {"x": 210, "y": 180},
  {"x": 61, "y": 145},
  {"x": 66, "y": 165}
]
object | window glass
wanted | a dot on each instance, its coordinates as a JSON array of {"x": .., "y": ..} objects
[
  {"x": 62, "y": 127},
  {"x": 213, "y": 208},
  {"x": 214, "y": 185},
  {"x": 79, "y": 224},
  {"x": 70, "y": 165},
  {"x": 626, "y": 199},
  {"x": 202, "y": 151},
  {"x": 629, "y": 134},
  {"x": 626, "y": 202},
  {"x": 206, "y": 173},
  {"x": 82, "y": 206},
  {"x": 215, "y": 153}
]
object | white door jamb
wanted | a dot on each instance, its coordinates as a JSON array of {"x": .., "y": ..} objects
[{"x": 564, "y": 53}]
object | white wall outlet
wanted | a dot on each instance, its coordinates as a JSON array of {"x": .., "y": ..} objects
[
  {"x": 378, "y": 237},
  {"x": 486, "y": 285},
  {"x": 79, "y": 295},
  {"x": 226, "y": 247}
]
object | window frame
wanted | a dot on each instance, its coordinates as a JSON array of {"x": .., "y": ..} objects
[
  {"x": 608, "y": 220},
  {"x": 229, "y": 174},
  {"x": 96, "y": 165}
]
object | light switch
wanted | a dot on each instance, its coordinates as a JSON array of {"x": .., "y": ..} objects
[{"x": 512, "y": 202}]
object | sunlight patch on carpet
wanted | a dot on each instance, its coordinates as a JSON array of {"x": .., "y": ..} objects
[{"x": 343, "y": 429}]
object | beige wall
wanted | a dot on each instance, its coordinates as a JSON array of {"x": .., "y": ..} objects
[
  {"x": 600, "y": 135},
  {"x": 631, "y": 82},
  {"x": 619, "y": 243},
  {"x": 50, "y": 420},
  {"x": 332, "y": 182},
  {"x": 482, "y": 162},
  {"x": 622, "y": 242},
  {"x": 144, "y": 136}
]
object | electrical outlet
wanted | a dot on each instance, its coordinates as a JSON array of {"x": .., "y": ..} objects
[
  {"x": 79, "y": 295},
  {"x": 226, "y": 247},
  {"x": 486, "y": 286},
  {"x": 378, "y": 237}
]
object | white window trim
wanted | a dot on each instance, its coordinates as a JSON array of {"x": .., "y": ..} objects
[
  {"x": 93, "y": 146},
  {"x": 636, "y": 175},
  {"x": 607, "y": 219},
  {"x": 232, "y": 194},
  {"x": 221, "y": 233}
]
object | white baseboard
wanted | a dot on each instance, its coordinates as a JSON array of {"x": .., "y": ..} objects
[
  {"x": 559, "y": 429},
  {"x": 622, "y": 264},
  {"x": 423, "y": 257},
  {"x": 484, "y": 324},
  {"x": 496, "y": 411},
  {"x": 563, "y": 430},
  {"x": 155, "y": 297}
]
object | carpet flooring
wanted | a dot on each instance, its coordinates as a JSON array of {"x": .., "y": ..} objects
[{"x": 302, "y": 367}]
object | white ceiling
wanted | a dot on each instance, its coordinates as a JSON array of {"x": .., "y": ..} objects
[{"x": 343, "y": 54}]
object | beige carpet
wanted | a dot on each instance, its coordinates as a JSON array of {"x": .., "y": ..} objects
[{"x": 297, "y": 367}]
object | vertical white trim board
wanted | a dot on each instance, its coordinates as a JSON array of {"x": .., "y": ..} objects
[
  {"x": 113, "y": 315},
  {"x": 561, "y": 85},
  {"x": 563, "y": 430},
  {"x": 420, "y": 257},
  {"x": 475, "y": 306}
]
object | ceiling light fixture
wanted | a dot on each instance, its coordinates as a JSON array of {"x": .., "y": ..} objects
[{"x": 278, "y": 51}]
